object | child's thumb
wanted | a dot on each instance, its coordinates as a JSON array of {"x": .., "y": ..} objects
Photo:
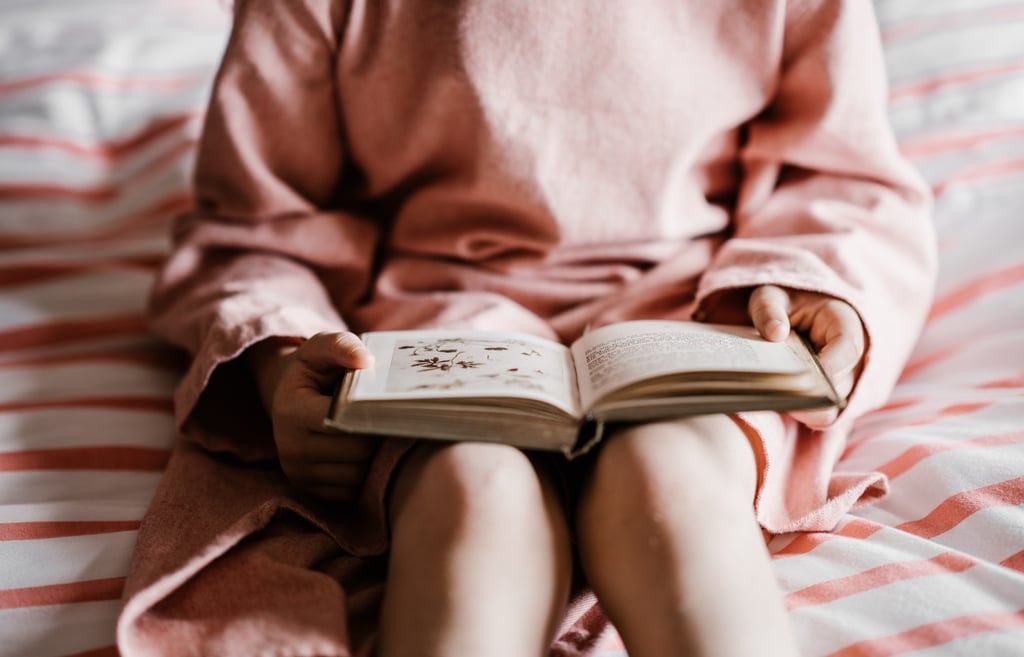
[{"x": 326, "y": 353}]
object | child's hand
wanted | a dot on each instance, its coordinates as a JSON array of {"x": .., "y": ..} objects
[
  {"x": 296, "y": 383},
  {"x": 833, "y": 326}
]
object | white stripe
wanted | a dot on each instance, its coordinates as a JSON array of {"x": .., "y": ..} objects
[
  {"x": 81, "y": 427},
  {"x": 920, "y": 490},
  {"x": 48, "y": 561},
  {"x": 94, "y": 116},
  {"x": 978, "y": 361},
  {"x": 128, "y": 507},
  {"x": 900, "y": 606},
  {"x": 895, "y": 11},
  {"x": 969, "y": 218},
  {"x": 992, "y": 534},
  {"x": 30, "y": 632},
  {"x": 101, "y": 252},
  {"x": 65, "y": 219},
  {"x": 35, "y": 166},
  {"x": 947, "y": 167},
  {"x": 889, "y": 433},
  {"x": 91, "y": 295},
  {"x": 79, "y": 487},
  {"x": 949, "y": 51},
  {"x": 120, "y": 38},
  {"x": 983, "y": 104},
  {"x": 89, "y": 379},
  {"x": 88, "y": 348}
]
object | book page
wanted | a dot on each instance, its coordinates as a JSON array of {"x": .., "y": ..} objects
[
  {"x": 620, "y": 354},
  {"x": 453, "y": 364}
]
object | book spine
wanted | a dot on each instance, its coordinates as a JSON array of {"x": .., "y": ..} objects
[{"x": 591, "y": 433}]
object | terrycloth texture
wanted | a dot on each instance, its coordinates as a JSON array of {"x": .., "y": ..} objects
[{"x": 537, "y": 167}]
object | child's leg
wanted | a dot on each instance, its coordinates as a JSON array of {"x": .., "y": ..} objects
[
  {"x": 480, "y": 558},
  {"x": 669, "y": 543}
]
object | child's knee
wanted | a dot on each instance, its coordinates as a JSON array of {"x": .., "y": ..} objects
[
  {"x": 465, "y": 483},
  {"x": 695, "y": 462}
]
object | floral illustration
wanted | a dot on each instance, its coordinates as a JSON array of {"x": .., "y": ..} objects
[{"x": 476, "y": 365}]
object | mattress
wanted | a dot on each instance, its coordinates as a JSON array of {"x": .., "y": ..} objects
[{"x": 100, "y": 107}]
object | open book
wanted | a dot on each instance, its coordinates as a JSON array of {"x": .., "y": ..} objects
[{"x": 534, "y": 393}]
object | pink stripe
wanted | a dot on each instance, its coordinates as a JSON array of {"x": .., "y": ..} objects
[
  {"x": 931, "y": 635},
  {"x": 857, "y": 528},
  {"x": 955, "y": 20},
  {"x": 20, "y": 274},
  {"x": 951, "y": 411},
  {"x": 1011, "y": 382},
  {"x": 989, "y": 283},
  {"x": 149, "y": 355},
  {"x": 61, "y": 332},
  {"x": 106, "y": 458},
  {"x": 895, "y": 405},
  {"x": 94, "y": 80},
  {"x": 930, "y": 359},
  {"x": 156, "y": 404},
  {"x": 944, "y": 143},
  {"x": 55, "y": 594},
  {"x": 106, "y": 651},
  {"x": 875, "y": 578},
  {"x": 985, "y": 172},
  {"x": 966, "y": 77},
  {"x": 104, "y": 152},
  {"x": 914, "y": 455},
  {"x": 33, "y": 531},
  {"x": 1014, "y": 562},
  {"x": 161, "y": 210},
  {"x": 918, "y": 453},
  {"x": 923, "y": 362},
  {"x": 961, "y": 506},
  {"x": 950, "y": 513},
  {"x": 100, "y": 154},
  {"x": 96, "y": 193}
]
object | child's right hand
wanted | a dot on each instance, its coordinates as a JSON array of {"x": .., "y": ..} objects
[{"x": 296, "y": 383}]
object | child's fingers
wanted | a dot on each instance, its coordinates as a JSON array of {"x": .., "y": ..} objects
[
  {"x": 816, "y": 419},
  {"x": 333, "y": 471},
  {"x": 823, "y": 417},
  {"x": 301, "y": 412},
  {"x": 769, "y": 311},
  {"x": 840, "y": 356},
  {"x": 836, "y": 331}
]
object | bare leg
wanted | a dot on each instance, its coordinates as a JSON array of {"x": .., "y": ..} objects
[
  {"x": 669, "y": 543},
  {"x": 480, "y": 560}
]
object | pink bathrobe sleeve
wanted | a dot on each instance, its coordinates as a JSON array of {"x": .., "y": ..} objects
[
  {"x": 829, "y": 205},
  {"x": 251, "y": 260}
]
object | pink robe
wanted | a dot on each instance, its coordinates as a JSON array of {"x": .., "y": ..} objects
[{"x": 490, "y": 164}]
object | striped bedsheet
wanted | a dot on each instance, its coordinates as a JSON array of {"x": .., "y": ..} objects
[{"x": 100, "y": 107}]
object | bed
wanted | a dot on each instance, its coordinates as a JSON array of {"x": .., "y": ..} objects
[{"x": 100, "y": 108}]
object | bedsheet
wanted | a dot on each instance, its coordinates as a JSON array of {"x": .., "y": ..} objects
[{"x": 100, "y": 109}]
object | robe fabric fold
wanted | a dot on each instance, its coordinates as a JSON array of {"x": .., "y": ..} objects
[{"x": 483, "y": 164}]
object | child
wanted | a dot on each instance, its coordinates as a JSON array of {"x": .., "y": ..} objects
[{"x": 531, "y": 166}]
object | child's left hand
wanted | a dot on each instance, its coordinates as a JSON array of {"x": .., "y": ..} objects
[{"x": 833, "y": 326}]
